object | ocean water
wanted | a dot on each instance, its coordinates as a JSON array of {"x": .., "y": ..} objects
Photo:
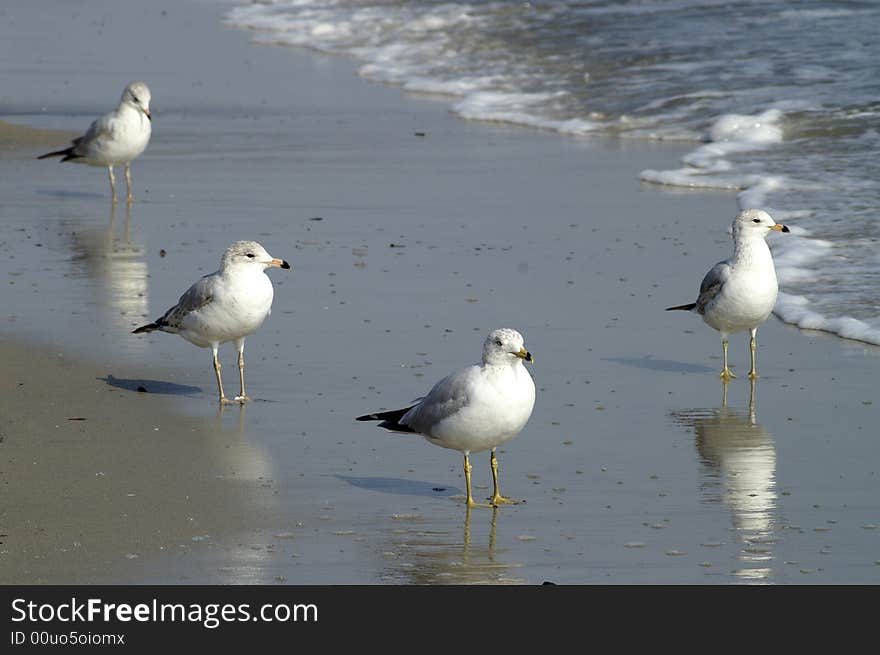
[{"x": 780, "y": 100}]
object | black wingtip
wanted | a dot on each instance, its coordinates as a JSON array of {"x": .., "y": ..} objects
[
  {"x": 684, "y": 308},
  {"x": 146, "y": 328},
  {"x": 66, "y": 153},
  {"x": 390, "y": 419}
]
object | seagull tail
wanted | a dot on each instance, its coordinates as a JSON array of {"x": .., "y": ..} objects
[
  {"x": 67, "y": 153},
  {"x": 147, "y": 328},
  {"x": 684, "y": 308},
  {"x": 390, "y": 420}
]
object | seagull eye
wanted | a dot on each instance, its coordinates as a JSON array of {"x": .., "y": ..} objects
[
  {"x": 498, "y": 342},
  {"x": 756, "y": 220},
  {"x": 135, "y": 98},
  {"x": 250, "y": 255}
]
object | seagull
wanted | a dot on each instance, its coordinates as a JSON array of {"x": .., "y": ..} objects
[
  {"x": 474, "y": 409},
  {"x": 116, "y": 138},
  {"x": 226, "y": 305},
  {"x": 740, "y": 292}
]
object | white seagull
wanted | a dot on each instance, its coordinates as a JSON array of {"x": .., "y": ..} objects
[
  {"x": 476, "y": 408},
  {"x": 116, "y": 138},
  {"x": 740, "y": 292},
  {"x": 226, "y": 305}
]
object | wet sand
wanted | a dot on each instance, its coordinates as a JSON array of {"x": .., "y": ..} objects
[
  {"x": 15, "y": 138},
  {"x": 406, "y": 251},
  {"x": 96, "y": 475}
]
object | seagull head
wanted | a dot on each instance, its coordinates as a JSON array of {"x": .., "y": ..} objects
[
  {"x": 250, "y": 253},
  {"x": 505, "y": 346},
  {"x": 755, "y": 223},
  {"x": 138, "y": 94}
]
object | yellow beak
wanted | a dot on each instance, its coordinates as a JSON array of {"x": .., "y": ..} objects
[{"x": 525, "y": 354}]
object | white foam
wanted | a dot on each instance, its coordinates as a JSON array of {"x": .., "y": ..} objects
[
  {"x": 742, "y": 129},
  {"x": 519, "y": 109},
  {"x": 457, "y": 88},
  {"x": 403, "y": 48},
  {"x": 693, "y": 178},
  {"x": 796, "y": 311},
  {"x": 798, "y": 260},
  {"x": 794, "y": 254},
  {"x": 707, "y": 167},
  {"x": 755, "y": 194}
]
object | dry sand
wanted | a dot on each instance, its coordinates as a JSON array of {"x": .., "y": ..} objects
[{"x": 406, "y": 250}]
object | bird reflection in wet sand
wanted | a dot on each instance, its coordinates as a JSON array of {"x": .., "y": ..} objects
[
  {"x": 238, "y": 419},
  {"x": 739, "y": 457},
  {"x": 118, "y": 264},
  {"x": 432, "y": 556}
]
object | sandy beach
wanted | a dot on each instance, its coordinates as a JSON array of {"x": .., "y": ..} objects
[{"x": 411, "y": 234}]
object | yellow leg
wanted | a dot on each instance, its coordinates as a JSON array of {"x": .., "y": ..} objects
[
  {"x": 112, "y": 183},
  {"x": 497, "y": 498},
  {"x": 129, "y": 198},
  {"x": 241, "y": 397},
  {"x": 467, "y": 481},
  {"x": 726, "y": 373},
  {"x": 223, "y": 399},
  {"x": 753, "y": 347}
]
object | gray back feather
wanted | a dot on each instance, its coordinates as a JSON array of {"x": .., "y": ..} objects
[
  {"x": 196, "y": 297},
  {"x": 712, "y": 283}
]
